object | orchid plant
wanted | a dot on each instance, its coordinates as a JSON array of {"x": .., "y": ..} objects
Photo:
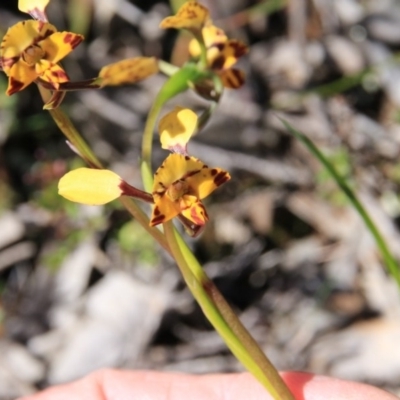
[{"x": 31, "y": 52}]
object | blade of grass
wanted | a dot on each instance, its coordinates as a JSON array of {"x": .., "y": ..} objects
[{"x": 390, "y": 261}]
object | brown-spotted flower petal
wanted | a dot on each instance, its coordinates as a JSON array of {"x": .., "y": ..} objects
[
  {"x": 192, "y": 15},
  {"x": 128, "y": 71}
]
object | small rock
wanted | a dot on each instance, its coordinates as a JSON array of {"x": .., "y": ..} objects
[
  {"x": 11, "y": 229},
  {"x": 349, "y": 11},
  {"x": 367, "y": 351},
  {"x": 73, "y": 275},
  {"x": 120, "y": 316},
  {"x": 383, "y": 29},
  {"x": 21, "y": 363},
  {"x": 346, "y": 54}
]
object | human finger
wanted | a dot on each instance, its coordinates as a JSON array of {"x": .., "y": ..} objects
[{"x": 151, "y": 385}]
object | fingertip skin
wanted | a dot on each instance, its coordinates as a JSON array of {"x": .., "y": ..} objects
[
  {"x": 153, "y": 385},
  {"x": 306, "y": 386}
]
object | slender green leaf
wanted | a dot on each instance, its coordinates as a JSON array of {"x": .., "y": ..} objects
[{"x": 390, "y": 261}]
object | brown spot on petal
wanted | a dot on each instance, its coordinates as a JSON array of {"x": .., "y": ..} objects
[
  {"x": 191, "y": 173},
  {"x": 221, "y": 178},
  {"x": 14, "y": 86},
  {"x": 59, "y": 75},
  {"x": 239, "y": 48},
  {"x": 73, "y": 39},
  {"x": 157, "y": 220},
  {"x": 157, "y": 211},
  {"x": 213, "y": 172},
  {"x": 218, "y": 63},
  {"x": 233, "y": 78}
]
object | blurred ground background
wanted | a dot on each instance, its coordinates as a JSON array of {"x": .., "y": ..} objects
[{"x": 83, "y": 288}]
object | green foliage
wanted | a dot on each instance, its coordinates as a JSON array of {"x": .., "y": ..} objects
[
  {"x": 58, "y": 253},
  {"x": 133, "y": 240},
  {"x": 326, "y": 187}
]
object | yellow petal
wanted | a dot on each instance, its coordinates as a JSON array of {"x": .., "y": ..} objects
[
  {"x": 20, "y": 76},
  {"x": 232, "y": 78},
  {"x": 212, "y": 36},
  {"x": 34, "y": 7},
  {"x": 128, "y": 71},
  {"x": 192, "y": 15},
  {"x": 164, "y": 209},
  {"x": 90, "y": 186},
  {"x": 175, "y": 167},
  {"x": 228, "y": 54},
  {"x": 176, "y": 128},
  {"x": 51, "y": 72},
  {"x": 207, "y": 180},
  {"x": 60, "y": 44}
]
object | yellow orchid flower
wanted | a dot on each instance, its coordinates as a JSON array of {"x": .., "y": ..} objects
[
  {"x": 179, "y": 186},
  {"x": 35, "y": 8},
  {"x": 222, "y": 54},
  {"x": 31, "y": 50},
  {"x": 176, "y": 128}
]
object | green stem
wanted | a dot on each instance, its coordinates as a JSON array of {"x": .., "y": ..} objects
[
  {"x": 68, "y": 129},
  {"x": 387, "y": 256},
  {"x": 224, "y": 320},
  {"x": 147, "y": 144},
  {"x": 175, "y": 84},
  {"x": 203, "y": 54},
  {"x": 166, "y": 68}
]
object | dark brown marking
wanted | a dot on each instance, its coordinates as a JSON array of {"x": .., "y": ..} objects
[
  {"x": 218, "y": 63},
  {"x": 157, "y": 220},
  {"x": 214, "y": 172},
  {"x": 59, "y": 74},
  {"x": 73, "y": 39},
  {"x": 14, "y": 86},
  {"x": 221, "y": 178},
  {"x": 157, "y": 211},
  {"x": 189, "y": 174},
  {"x": 239, "y": 48}
]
